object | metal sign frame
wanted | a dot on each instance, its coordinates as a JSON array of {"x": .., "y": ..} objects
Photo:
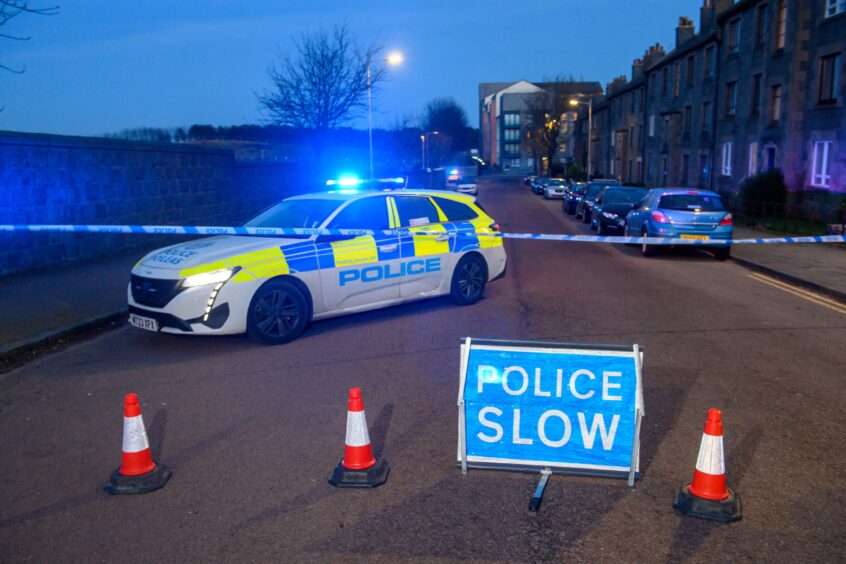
[{"x": 465, "y": 461}]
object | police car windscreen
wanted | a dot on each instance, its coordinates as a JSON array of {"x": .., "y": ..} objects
[{"x": 295, "y": 213}]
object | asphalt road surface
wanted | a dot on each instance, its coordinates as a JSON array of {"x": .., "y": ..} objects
[{"x": 252, "y": 433}]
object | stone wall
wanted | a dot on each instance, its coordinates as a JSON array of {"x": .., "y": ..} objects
[{"x": 79, "y": 180}]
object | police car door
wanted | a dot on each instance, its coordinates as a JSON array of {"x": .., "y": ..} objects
[
  {"x": 365, "y": 270},
  {"x": 424, "y": 256}
]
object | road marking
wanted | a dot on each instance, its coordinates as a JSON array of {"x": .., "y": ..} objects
[{"x": 804, "y": 294}]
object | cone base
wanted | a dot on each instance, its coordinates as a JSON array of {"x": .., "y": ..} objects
[
  {"x": 151, "y": 481},
  {"x": 726, "y": 510},
  {"x": 371, "y": 477}
]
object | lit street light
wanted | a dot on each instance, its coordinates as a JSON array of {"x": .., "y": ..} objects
[
  {"x": 393, "y": 59},
  {"x": 574, "y": 102}
]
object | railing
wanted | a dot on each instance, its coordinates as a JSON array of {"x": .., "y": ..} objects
[{"x": 808, "y": 218}]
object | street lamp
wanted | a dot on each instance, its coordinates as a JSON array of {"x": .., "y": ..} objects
[
  {"x": 423, "y": 148},
  {"x": 393, "y": 59},
  {"x": 574, "y": 102}
]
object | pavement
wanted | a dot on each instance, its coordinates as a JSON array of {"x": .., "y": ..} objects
[
  {"x": 252, "y": 433},
  {"x": 49, "y": 304}
]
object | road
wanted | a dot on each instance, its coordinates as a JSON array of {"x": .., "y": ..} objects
[{"x": 252, "y": 433}]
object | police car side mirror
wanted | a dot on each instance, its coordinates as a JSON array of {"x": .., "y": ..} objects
[{"x": 333, "y": 238}]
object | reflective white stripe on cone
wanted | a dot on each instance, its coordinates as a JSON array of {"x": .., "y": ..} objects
[
  {"x": 134, "y": 434},
  {"x": 357, "y": 434},
  {"x": 711, "y": 458}
]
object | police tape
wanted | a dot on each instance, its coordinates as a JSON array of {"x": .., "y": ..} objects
[{"x": 300, "y": 231}]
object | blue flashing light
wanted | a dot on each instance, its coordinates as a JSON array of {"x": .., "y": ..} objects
[
  {"x": 399, "y": 179},
  {"x": 454, "y": 171}
]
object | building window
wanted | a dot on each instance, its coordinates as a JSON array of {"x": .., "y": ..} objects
[
  {"x": 781, "y": 24},
  {"x": 631, "y": 137},
  {"x": 731, "y": 98},
  {"x": 761, "y": 25},
  {"x": 709, "y": 62},
  {"x": 821, "y": 176},
  {"x": 512, "y": 134},
  {"x": 734, "y": 36},
  {"x": 829, "y": 78},
  {"x": 727, "y": 147},
  {"x": 706, "y": 116},
  {"x": 685, "y": 165},
  {"x": 511, "y": 148},
  {"x": 753, "y": 159},
  {"x": 676, "y": 78},
  {"x": 775, "y": 113},
  {"x": 704, "y": 170},
  {"x": 756, "y": 94},
  {"x": 667, "y": 133},
  {"x": 513, "y": 163},
  {"x": 834, "y": 7},
  {"x": 688, "y": 119},
  {"x": 511, "y": 119},
  {"x": 652, "y": 85},
  {"x": 652, "y": 125},
  {"x": 665, "y": 80},
  {"x": 688, "y": 71}
]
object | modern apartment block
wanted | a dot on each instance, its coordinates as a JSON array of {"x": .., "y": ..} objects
[
  {"x": 760, "y": 85},
  {"x": 505, "y": 121}
]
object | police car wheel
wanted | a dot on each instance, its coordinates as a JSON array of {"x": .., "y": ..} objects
[
  {"x": 278, "y": 313},
  {"x": 468, "y": 280}
]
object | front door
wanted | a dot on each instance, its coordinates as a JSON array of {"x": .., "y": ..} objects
[{"x": 364, "y": 270}]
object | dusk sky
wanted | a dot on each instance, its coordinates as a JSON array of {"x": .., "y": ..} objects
[{"x": 100, "y": 66}]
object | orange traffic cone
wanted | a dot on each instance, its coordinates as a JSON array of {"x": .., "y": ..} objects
[
  {"x": 358, "y": 468},
  {"x": 137, "y": 472},
  {"x": 707, "y": 495}
]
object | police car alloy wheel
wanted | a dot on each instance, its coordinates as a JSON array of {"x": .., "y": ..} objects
[
  {"x": 468, "y": 280},
  {"x": 278, "y": 313}
]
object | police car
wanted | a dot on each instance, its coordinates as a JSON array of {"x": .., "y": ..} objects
[{"x": 272, "y": 287}]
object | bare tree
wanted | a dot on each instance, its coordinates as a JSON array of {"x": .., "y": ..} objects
[
  {"x": 445, "y": 128},
  {"x": 10, "y": 9},
  {"x": 545, "y": 109},
  {"x": 323, "y": 84}
]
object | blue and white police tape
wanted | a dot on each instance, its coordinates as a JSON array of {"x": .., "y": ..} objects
[{"x": 300, "y": 231}]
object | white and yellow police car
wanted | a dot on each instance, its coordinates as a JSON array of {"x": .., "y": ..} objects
[{"x": 272, "y": 287}]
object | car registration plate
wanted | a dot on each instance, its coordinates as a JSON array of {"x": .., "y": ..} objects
[
  {"x": 697, "y": 237},
  {"x": 143, "y": 322}
]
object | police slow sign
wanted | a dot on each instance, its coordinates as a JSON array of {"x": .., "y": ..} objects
[{"x": 568, "y": 408}]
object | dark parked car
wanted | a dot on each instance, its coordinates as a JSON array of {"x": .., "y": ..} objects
[
  {"x": 584, "y": 208},
  {"x": 612, "y": 205},
  {"x": 572, "y": 197},
  {"x": 538, "y": 184}
]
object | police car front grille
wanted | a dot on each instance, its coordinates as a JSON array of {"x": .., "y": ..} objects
[{"x": 154, "y": 292}]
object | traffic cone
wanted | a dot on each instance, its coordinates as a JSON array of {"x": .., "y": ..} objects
[
  {"x": 358, "y": 468},
  {"x": 707, "y": 495},
  {"x": 137, "y": 472}
]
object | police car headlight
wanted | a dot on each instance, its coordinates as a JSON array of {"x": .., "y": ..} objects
[
  {"x": 213, "y": 277},
  {"x": 609, "y": 215}
]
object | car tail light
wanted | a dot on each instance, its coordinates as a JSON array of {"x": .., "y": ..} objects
[
  {"x": 726, "y": 220},
  {"x": 494, "y": 227},
  {"x": 659, "y": 217}
]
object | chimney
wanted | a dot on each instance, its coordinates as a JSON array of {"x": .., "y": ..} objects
[
  {"x": 684, "y": 31},
  {"x": 707, "y": 17},
  {"x": 652, "y": 55},
  {"x": 637, "y": 68}
]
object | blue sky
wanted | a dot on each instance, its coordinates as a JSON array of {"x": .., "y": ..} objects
[{"x": 104, "y": 65}]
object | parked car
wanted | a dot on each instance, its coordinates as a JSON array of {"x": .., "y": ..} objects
[
  {"x": 554, "y": 188},
  {"x": 585, "y": 205},
  {"x": 612, "y": 206},
  {"x": 572, "y": 196},
  {"x": 681, "y": 213},
  {"x": 527, "y": 180},
  {"x": 466, "y": 185},
  {"x": 538, "y": 183}
]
